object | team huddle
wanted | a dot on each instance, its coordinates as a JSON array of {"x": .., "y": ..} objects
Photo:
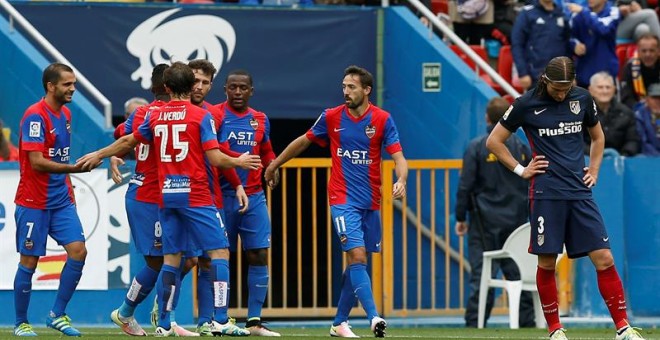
[{"x": 196, "y": 187}]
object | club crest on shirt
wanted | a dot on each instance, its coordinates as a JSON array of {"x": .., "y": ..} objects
[
  {"x": 68, "y": 126},
  {"x": 254, "y": 123},
  {"x": 370, "y": 130},
  {"x": 575, "y": 106},
  {"x": 35, "y": 129},
  {"x": 540, "y": 239}
]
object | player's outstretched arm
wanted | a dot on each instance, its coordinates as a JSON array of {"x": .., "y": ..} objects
[
  {"x": 245, "y": 160},
  {"x": 39, "y": 163},
  {"x": 121, "y": 146},
  {"x": 495, "y": 143},
  {"x": 292, "y": 150},
  {"x": 401, "y": 171}
]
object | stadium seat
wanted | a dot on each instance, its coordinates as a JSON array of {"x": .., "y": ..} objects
[
  {"x": 505, "y": 67},
  {"x": 439, "y": 6},
  {"x": 515, "y": 247},
  {"x": 623, "y": 53}
]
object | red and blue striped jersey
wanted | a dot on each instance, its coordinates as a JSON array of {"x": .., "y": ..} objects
[
  {"x": 181, "y": 132},
  {"x": 143, "y": 185},
  {"x": 246, "y": 132},
  {"x": 356, "y": 149},
  {"x": 49, "y": 132}
]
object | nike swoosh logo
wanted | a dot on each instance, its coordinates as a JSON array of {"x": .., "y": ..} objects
[
  {"x": 337, "y": 130},
  {"x": 605, "y": 239},
  {"x": 53, "y": 130},
  {"x": 538, "y": 112}
]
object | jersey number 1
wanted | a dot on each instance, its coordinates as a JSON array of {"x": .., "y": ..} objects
[{"x": 163, "y": 131}]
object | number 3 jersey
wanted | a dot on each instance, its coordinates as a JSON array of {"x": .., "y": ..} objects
[
  {"x": 49, "y": 132},
  {"x": 181, "y": 133},
  {"x": 143, "y": 186},
  {"x": 356, "y": 151}
]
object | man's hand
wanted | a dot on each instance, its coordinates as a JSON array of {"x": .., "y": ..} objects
[
  {"x": 525, "y": 82},
  {"x": 580, "y": 49},
  {"x": 243, "y": 200},
  {"x": 89, "y": 161},
  {"x": 535, "y": 167},
  {"x": 272, "y": 176},
  {"x": 461, "y": 228},
  {"x": 589, "y": 178},
  {"x": 115, "y": 163},
  {"x": 249, "y": 162},
  {"x": 398, "y": 190},
  {"x": 574, "y": 8}
]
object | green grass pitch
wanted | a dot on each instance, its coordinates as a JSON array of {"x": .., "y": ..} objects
[{"x": 395, "y": 333}]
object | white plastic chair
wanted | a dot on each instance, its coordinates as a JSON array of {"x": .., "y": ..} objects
[{"x": 515, "y": 247}]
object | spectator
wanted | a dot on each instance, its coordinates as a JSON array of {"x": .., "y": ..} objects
[
  {"x": 616, "y": 119},
  {"x": 540, "y": 33},
  {"x": 132, "y": 104},
  {"x": 642, "y": 70},
  {"x": 497, "y": 202},
  {"x": 647, "y": 114},
  {"x": 8, "y": 152},
  {"x": 636, "y": 21},
  {"x": 472, "y": 19},
  {"x": 594, "y": 31}
]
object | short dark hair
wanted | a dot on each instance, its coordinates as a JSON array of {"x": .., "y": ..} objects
[
  {"x": 496, "y": 108},
  {"x": 648, "y": 35},
  {"x": 558, "y": 70},
  {"x": 53, "y": 74},
  {"x": 366, "y": 79},
  {"x": 239, "y": 72},
  {"x": 157, "y": 84},
  {"x": 204, "y": 65},
  {"x": 179, "y": 78}
]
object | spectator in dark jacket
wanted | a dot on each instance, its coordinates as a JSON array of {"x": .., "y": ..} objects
[
  {"x": 642, "y": 70},
  {"x": 540, "y": 33},
  {"x": 647, "y": 114},
  {"x": 616, "y": 119},
  {"x": 594, "y": 32},
  {"x": 497, "y": 200}
]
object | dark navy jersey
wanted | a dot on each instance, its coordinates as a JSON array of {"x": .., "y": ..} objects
[{"x": 554, "y": 130}]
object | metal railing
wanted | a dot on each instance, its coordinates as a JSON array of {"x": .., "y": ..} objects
[
  {"x": 15, "y": 16},
  {"x": 482, "y": 64}
]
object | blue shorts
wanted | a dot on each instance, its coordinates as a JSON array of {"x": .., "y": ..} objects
[
  {"x": 34, "y": 225},
  {"x": 357, "y": 227},
  {"x": 253, "y": 225},
  {"x": 199, "y": 252},
  {"x": 145, "y": 227},
  {"x": 576, "y": 223},
  {"x": 192, "y": 229}
]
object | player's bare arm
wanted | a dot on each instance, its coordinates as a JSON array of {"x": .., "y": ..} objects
[
  {"x": 595, "y": 155},
  {"x": 495, "y": 143},
  {"x": 39, "y": 163},
  {"x": 295, "y": 148},
  {"x": 401, "y": 171},
  {"x": 245, "y": 161},
  {"x": 120, "y": 146}
]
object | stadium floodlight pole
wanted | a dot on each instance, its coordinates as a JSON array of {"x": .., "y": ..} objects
[
  {"x": 464, "y": 47},
  {"x": 84, "y": 82}
]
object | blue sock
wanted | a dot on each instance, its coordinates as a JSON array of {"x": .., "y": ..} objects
[
  {"x": 362, "y": 288},
  {"x": 346, "y": 299},
  {"x": 257, "y": 281},
  {"x": 177, "y": 292},
  {"x": 142, "y": 284},
  {"x": 22, "y": 292},
  {"x": 220, "y": 282},
  {"x": 69, "y": 279},
  {"x": 166, "y": 288},
  {"x": 204, "y": 297}
]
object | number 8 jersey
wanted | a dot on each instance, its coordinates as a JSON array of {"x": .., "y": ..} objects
[{"x": 180, "y": 133}]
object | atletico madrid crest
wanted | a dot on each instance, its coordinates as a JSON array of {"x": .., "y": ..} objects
[
  {"x": 370, "y": 130},
  {"x": 575, "y": 106},
  {"x": 254, "y": 123},
  {"x": 540, "y": 239}
]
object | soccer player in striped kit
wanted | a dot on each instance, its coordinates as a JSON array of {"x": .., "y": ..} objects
[
  {"x": 45, "y": 205},
  {"x": 356, "y": 131}
]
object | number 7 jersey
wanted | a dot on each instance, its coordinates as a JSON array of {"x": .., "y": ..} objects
[{"x": 181, "y": 133}]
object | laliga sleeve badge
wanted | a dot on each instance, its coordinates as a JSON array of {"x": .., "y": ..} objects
[
  {"x": 370, "y": 130},
  {"x": 254, "y": 123},
  {"x": 28, "y": 244}
]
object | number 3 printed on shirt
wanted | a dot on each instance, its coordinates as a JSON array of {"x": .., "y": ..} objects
[{"x": 163, "y": 132}]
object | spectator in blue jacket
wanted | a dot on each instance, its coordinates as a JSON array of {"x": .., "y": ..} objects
[
  {"x": 647, "y": 113},
  {"x": 594, "y": 32},
  {"x": 540, "y": 33}
]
